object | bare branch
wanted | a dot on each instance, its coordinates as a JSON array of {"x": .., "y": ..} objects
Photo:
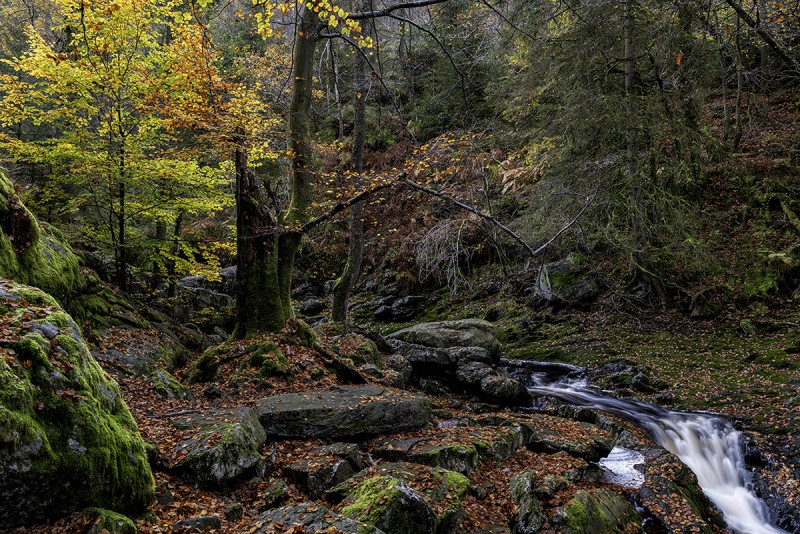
[
  {"x": 389, "y": 10},
  {"x": 341, "y": 206},
  {"x": 533, "y": 253}
]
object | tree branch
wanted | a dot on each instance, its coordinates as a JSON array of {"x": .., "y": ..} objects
[
  {"x": 388, "y": 10},
  {"x": 533, "y": 253},
  {"x": 341, "y": 206},
  {"x": 776, "y": 47}
]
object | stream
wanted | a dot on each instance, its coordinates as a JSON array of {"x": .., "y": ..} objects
[{"x": 707, "y": 444}]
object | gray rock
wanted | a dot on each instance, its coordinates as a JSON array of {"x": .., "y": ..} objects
[
  {"x": 324, "y": 468},
  {"x": 200, "y": 523},
  {"x": 445, "y": 334},
  {"x": 223, "y": 446},
  {"x": 566, "y": 282},
  {"x": 505, "y": 390},
  {"x": 398, "y": 363},
  {"x": 314, "y": 518},
  {"x": 313, "y": 476},
  {"x": 343, "y": 412},
  {"x": 472, "y": 373},
  {"x": 274, "y": 494},
  {"x": 529, "y": 518},
  {"x": 311, "y": 306}
]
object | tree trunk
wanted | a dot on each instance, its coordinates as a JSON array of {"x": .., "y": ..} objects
[
  {"x": 266, "y": 251},
  {"x": 176, "y": 236},
  {"x": 259, "y": 308},
  {"x": 302, "y": 181},
  {"x": 355, "y": 252}
]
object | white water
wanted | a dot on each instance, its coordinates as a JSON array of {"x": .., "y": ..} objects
[{"x": 708, "y": 445}]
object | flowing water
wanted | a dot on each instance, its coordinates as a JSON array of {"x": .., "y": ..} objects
[{"x": 708, "y": 445}]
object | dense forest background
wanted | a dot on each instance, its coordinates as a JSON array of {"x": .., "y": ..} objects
[{"x": 653, "y": 141}]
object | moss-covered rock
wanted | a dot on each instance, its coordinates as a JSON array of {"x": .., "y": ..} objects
[
  {"x": 34, "y": 253},
  {"x": 67, "y": 439},
  {"x": 108, "y": 522},
  {"x": 404, "y": 498},
  {"x": 221, "y": 446},
  {"x": 599, "y": 512}
]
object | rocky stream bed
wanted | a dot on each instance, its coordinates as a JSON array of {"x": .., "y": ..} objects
[{"x": 436, "y": 433}]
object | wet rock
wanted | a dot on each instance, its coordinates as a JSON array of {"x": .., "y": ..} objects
[
  {"x": 274, "y": 494},
  {"x": 343, "y": 412},
  {"x": 590, "y": 449},
  {"x": 223, "y": 446},
  {"x": 446, "y": 334},
  {"x": 313, "y": 518},
  {"x": 670, "y": 496},
  {"x": 472, "y": 373},
  {"x": 505, "y": 391}
]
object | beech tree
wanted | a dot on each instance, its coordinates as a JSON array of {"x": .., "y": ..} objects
[{"x": 104, "y": 97}]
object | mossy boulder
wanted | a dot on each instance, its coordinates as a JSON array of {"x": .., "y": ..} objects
[
  {"x": 598, "y": 512},
  {"x": 67, "y": 439},
  {"x": 220, "y": 447},
  {"x": 528, "y": 517},
  {"x": 404, "y": 498},
  {"x": 34, "y": 253},
  {"x": 108, "y": 522}
]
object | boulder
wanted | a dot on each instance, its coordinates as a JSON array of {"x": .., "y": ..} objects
[
  {"x": 393, "y": 309},
  {"x": 404, "y": 498},
  {"x": 313, "y": 518},
  {"x": 67, "y": 439},
  {"x": 108, "y": 522},
  {"x": 343, "y": 412},
  {"x": 566, "y": 282},
  {"x": 32, "y": 252},
  {"x": 600, "y": 512},
  {"x": 324, "y": 468},
  {"x": 445, "y": 334},
  {"x": 222, "y": 446},
  {"x": 504, "y": 390},
  {"x": 528, "y": 518}
]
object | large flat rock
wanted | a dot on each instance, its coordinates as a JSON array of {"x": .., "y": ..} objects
[
  {"x": 343, "y": 412},
  {"x": 445, "y": 334}
]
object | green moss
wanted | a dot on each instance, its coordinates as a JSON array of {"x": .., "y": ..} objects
[
  {"x": 110, "y": 522},
  {"x": 600, "y": 512},
  {"x": 371, "y": 497},
  {"x": 63, "y": 418},
  {"x": 43, "y": 259}
]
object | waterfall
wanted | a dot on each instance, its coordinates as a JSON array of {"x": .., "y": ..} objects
[{"x": 708, "y": 445}]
